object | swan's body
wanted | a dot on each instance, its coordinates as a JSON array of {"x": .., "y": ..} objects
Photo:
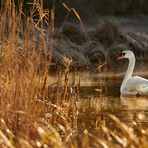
[{"x": 132, "y": 86}]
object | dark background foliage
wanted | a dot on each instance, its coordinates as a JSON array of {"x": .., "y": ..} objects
[
  {"x": 89, "y": 8},
  {"x": 103, "y": 7}
]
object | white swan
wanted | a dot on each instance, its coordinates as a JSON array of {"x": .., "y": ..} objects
[{"x": 132, "y": 86}]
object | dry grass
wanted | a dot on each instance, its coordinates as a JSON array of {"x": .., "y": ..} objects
[{"x": 29, "y": 116}]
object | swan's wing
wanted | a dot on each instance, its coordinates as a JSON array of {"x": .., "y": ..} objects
[{"x": 137, "y": 83}]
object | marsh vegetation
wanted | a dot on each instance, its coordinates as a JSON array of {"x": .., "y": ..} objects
[{"x": 45, "y": 101}]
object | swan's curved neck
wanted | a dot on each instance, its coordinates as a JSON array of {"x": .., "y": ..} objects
[
  {"x": 130, "y": 68},
  {"x": 129, "y": 71}
]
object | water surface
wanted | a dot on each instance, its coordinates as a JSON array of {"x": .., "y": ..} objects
[{"x": 101, "y": 95}]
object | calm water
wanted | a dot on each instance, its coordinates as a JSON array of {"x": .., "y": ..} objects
[
  {"x": 125, "y": 108},
  {"x": 100, "y": 93},
  {"x": 105, "y": 98},
  {"x": 93, "y": 108}
]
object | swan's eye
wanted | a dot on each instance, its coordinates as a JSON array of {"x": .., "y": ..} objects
[{"x": 122, "y": 54}]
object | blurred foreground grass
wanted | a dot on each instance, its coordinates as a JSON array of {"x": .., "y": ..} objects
[{"x": 29, "y": 115}]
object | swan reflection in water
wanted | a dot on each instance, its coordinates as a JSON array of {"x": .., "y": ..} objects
[
  {"x": 135, "y": 102},
  {"x": 136, "y": 107}
]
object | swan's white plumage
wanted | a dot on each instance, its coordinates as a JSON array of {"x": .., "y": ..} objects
[
  {"x": 135, "y": 85},
  {"x": 132, "y": 85}
]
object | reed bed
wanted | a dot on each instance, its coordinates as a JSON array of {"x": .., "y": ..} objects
[{"x": 35, "y": 114}]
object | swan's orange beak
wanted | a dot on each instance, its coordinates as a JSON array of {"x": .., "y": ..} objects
[{"x": 120, "y": 57}]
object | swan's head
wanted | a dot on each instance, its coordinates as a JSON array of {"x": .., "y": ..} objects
[{"x": 127, "y": 54}]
